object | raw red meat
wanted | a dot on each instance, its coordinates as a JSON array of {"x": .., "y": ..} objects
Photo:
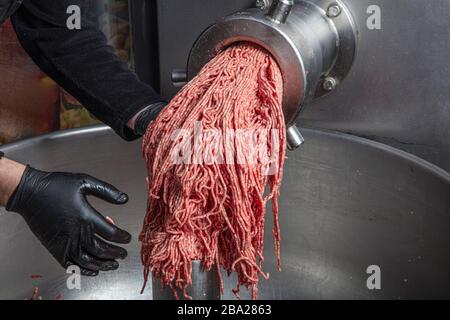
[{"x": 211, "y": 204}]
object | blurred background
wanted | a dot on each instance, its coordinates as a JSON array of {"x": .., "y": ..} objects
[
  {"x": 397, "y": 92},
  {"x": 31, "y": 103}
]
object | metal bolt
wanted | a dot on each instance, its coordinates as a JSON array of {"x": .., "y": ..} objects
[
  {"x": 263, "y": 4},
  {"x": 334, "y": 10},
  {"x": 280, "y": 10},
  {"x": 179, "y": 77},
  {"x": 294, "y": 138},
  {"x": 329, "y": 84}
]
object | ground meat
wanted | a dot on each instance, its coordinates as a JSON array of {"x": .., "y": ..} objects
[{"x": 206, "y": 191}]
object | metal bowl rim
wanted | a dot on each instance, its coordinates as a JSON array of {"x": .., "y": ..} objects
[{"x": 427, "y": 166}]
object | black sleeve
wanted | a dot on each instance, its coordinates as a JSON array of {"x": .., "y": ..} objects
[{"x": 82, "y": 62}]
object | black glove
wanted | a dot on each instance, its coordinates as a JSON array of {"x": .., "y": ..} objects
[
  {"x": 55, "y": 208},
  {"x": 149, "y": 114}
]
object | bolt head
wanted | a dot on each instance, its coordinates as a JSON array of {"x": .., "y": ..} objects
[
  {"x": 329, "y": 84},
  {"x": 263, "y": 4},
  {"x": 334, "y": 10}
]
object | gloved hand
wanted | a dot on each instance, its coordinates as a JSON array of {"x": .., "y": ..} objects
[
  {"x": 146, "y": 116},
  {"x": 55, "y": 207}
]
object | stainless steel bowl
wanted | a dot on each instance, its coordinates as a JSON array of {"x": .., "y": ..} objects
[{"x": 346, "y": 204}]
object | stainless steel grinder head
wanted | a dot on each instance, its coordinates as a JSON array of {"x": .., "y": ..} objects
[{"x": 313, "y": 41}]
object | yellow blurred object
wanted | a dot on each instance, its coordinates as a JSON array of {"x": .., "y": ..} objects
[
  {"x": 47, "y": 81},
  {"x": 123, "y": 54},
  {"x": 72, "y": 114},
  {"x": 76, "y": 118}
]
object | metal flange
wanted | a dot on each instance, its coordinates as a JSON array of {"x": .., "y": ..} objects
[{"x": 340, "y": 17}]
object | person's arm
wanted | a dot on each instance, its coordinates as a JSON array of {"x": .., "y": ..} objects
[
  {"x": 10, "y": 174},
  {"x": 83, "y": 63},
  {"x": 55, "y": 207}
]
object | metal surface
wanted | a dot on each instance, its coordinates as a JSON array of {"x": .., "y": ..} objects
[
  {"x": 397, "y": 92},
  {"x": 179, "y": 77},
  {"x": 280, "y": 10},
  {"x": 329, "y": 84},
  {"x": 307, "y": 45},
  {"x": 346, "y": 203},
  {"x": 205, "y": 285},
  {"x": 145, "y": 41},
  {"x": 294, "y": 138},
  {"x": 263, "y": 4},
  {"x": 334, "y": 10}
]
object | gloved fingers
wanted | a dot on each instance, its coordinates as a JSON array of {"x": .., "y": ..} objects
[
  {"x": 85, "y": 260},
  {"x": 103, "y": 190},
  {"x": 83, "y": 272},
  {"x": 104, "y": 250},
  {"x": 91, "y": 263},
  {"x": 108, "y": 230},
  {"x": 88, "y": 273},
  {"x": 98, "y": 248}
]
